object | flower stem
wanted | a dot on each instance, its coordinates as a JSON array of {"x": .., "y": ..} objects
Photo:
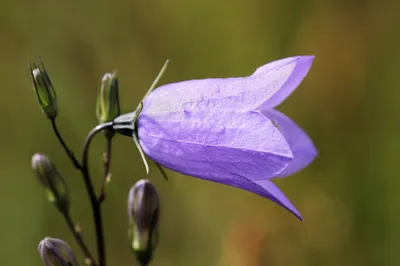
[
  {"x": 78, "y": 237},
  {"x": 96, "y": 208},
  {"x": 69, "y": 152},
  {"x": 107, "y": 163}
]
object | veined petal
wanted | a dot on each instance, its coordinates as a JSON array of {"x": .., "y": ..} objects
[
  {"x": 263, "y": 188},
  {"x": 304, "y": 151},
  {"x": 235, "y": 167},
  {"x": 302, "y": 65},
  {"x": 269, "y": 190},
  {"x": 212, "y": 146},
  {"x": 268, "y": 86},
  {"x": 213, "y": 129}
]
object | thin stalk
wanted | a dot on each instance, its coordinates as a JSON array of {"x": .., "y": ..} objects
[
  {"x": 96, "y": 208},
  {"x": 78, "y": 237},
  {"x": 107, "y": 164},
  {"x": 69, "y": 152}
]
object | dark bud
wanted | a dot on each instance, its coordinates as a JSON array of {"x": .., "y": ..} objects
[
  {"x": 54, "y": 183},
  {"x": 143, "y": 213},
  {"x": 55, "y": 252}
]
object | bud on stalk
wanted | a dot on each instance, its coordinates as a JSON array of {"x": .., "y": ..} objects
[
  {"x": 45, "y": 93},
  {"x": 54, "y": 183},
  {"x": 55, "y": 252},
  {"x": 107, "y": 107},
  {"x": 143, "y": 213}
]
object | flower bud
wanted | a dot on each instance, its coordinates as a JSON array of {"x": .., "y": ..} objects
[
  {"x": 49, "y": 177},
  {"x": 55, "y": 252},
  {"x": 45, "y": 94},
  {"x": 108, "y": 99},
  {"x": 143, "y": 213}
]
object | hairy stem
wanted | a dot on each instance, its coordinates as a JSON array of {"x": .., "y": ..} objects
[{"x": 96, "y": 208}]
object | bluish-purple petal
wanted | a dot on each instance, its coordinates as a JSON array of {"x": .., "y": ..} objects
[
  {"x": 263, "y": 188},
  {"x": 304, "y": 151},
  {"x": 268, "y": 86},
  {"x": 239, "y": 168},
  {"x": 226, "y": 131},
  {"x": 213, "y": 146},
  {"x": 302, "y": 65},
  {"x": 269, "y": 190}
]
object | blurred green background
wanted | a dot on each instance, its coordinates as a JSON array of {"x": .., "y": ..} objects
[{"x": 348, "y": 104}]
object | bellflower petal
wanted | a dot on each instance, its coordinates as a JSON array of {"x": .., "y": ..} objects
[
  {"x": 225, "y": 165},
  {"x": 304, "y": 151},
  {"x": 226, "y": 130},
  {"x": 210, "y": 145},
  {"x": 268, "y": 86},
  {"x": 300, "y": 65},
  {"x": 269, "y": 190},
  {"x": 263, "y": 188}
]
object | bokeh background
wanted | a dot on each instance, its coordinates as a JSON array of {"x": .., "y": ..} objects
[{"x": 349, "y": 104}]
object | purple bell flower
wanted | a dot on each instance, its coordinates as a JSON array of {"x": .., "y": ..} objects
[{"x": 227, "y": 130}]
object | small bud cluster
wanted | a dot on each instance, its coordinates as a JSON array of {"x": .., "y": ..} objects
[{"x": 143, "y": 200}]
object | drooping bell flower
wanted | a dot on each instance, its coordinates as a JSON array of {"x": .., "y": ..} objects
[{"x": 226, "y": 130}]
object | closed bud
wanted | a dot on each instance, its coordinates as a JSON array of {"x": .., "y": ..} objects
[
  {"x": 45, "y": 94},
  {"x": 143, "y": 212},
  {"x": 55, "y": 252},
  {"x": 107, "y": 107},
  {"x": 50, "y": 178}
]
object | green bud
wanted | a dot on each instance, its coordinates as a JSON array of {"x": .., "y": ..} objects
[
  {"x": 55, "y": 252},
  {"x": 143, "y": 213},
  {"x": 107, "y": 107},
  {"x": 45, "y": 94},
  {"x": 54, "y": 183}
]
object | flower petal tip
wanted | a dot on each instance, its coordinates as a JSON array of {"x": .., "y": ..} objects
[
  {"x": 291, "y": 70},
  {"x": 305, "y": 61},
  {"x": 296, "y": 213},
  {"x": 269, "y": 190}
]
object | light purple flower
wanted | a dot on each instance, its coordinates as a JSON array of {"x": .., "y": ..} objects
[{"x": 227, "y": 131}]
